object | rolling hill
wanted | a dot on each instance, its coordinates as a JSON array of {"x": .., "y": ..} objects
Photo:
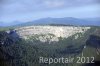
[{"x": 65, "y": 21}]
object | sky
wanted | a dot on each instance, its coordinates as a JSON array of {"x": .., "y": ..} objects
[{"x": 29, "y": 10}]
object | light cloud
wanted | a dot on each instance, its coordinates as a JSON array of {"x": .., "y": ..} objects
[
  {"x": 38, "y": 4},
  {"x": 54, "y": 4},
  {"x": 27, "y": 9}
]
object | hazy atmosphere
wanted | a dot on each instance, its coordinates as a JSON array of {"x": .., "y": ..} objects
[
  {"x": 49, "y": 32},
  {"x": 27, "y": 10}
]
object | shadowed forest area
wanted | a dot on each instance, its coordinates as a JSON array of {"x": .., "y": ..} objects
[{"x": 15, "y": 51}]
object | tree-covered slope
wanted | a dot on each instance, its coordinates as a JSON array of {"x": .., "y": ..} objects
[{"x": 27, "y": 53}]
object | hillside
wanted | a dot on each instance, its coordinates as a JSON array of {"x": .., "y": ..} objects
[
  {"x": 65, "y": 21},
  {"x": 72, "y": 42},
  {"x": 49, "y": 20},
  {"x": 51, "y": 33}
]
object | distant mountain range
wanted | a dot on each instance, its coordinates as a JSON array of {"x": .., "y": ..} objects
[
  {"x": 65, "y": 21},
  {"x": 4, "y": 24}
]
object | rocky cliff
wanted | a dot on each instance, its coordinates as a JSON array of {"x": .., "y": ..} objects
[{"x": 50, "y": 33}]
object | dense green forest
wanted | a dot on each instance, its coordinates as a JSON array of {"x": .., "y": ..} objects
[{"x": 15, "y": 51}]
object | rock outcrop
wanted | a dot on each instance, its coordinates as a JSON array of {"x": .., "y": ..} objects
[{"x": 50, "y": 32}]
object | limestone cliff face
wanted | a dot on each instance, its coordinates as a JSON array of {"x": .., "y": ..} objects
[{"x": 51, "y": 33}]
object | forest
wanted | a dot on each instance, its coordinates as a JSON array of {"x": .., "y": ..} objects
[{"x": 15, "y": 51}]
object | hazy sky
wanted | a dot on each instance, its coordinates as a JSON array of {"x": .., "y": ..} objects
[{"x": 28, "y": 10}]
